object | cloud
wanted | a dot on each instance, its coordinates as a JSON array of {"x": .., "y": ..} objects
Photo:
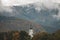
[
  {"x": 5, "y": 8},
  {"x": 6, "y": 11},
  {"x": 23, "y": 2},
  {"x": 7, "y": 5},
  {"x": 49, "y": 4},
  {"x": 57, "y": 16},
  {"x": 17, "y": 2}
]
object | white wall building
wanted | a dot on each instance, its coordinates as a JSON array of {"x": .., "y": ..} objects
[{"x": 31, "y": 32}]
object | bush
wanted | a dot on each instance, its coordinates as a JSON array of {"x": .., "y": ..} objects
[
  {"x": 24, "y": 36},
  {"x": 42, "y": 36}
]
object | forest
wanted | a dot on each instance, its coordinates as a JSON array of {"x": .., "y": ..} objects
[{"x": 23, "y": 35}]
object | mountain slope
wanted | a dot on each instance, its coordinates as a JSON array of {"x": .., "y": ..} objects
[
  {"x": 10, "y": 24},
  {"x": 46, "y": 16}
]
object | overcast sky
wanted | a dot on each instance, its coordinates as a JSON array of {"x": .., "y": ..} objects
[{"x": 23, "y": 2}]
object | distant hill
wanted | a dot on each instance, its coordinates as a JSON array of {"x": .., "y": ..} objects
[{"x": 15, "y": 24}]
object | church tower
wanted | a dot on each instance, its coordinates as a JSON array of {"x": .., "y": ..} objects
[{"x": 31, "y": 32}]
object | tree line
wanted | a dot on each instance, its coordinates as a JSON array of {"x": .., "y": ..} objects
[{"x": 23, "y": 35}]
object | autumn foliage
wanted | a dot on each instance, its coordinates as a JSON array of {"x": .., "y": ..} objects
[{"x": 23, "y": 35}]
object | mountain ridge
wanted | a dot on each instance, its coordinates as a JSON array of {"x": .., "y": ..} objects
[
  {"x": 17, "y": 24},
  {"x": 41, "y": 15}
]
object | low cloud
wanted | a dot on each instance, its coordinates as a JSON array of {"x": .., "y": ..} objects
[
  {"x": 49, "y": 4},
  {"x": 6, "y": 10},
  {"x": 57, "y": 16},
  {"x": 17, "y": 2}
]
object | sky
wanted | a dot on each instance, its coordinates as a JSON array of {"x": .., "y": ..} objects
[
  {"x": 17, "y": 2},
  {"x": 23, "y": 2}
]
